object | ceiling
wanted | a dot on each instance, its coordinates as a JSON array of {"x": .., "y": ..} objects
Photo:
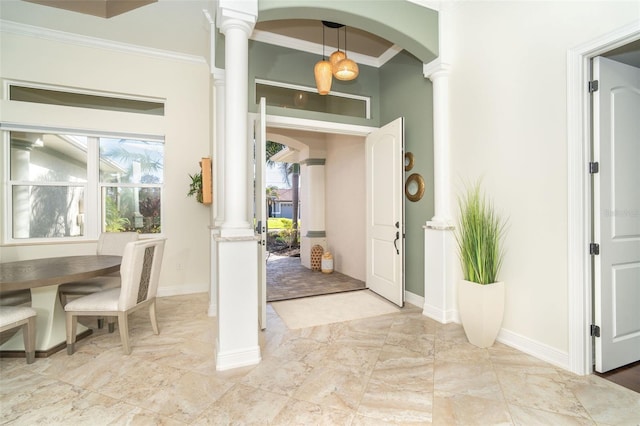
[
  {"x": 101, "y": 8},
  {"x": 308, "y": 30},
  {"x": 301, "y": 34}
]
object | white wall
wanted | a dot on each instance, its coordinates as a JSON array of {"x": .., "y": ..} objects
[
  {"x": 345, "y": 204},
  {"x": 184, "y": 84},
  {"x": 509, "y": 125}
]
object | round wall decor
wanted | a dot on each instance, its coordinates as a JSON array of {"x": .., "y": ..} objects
[
  {"x": 414, "y": 187},
  {"x": 408, "y": 161}
]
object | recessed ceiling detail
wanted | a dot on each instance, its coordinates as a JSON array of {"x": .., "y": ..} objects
[
  {"x": 100, "y": 8},
  {"x": 309, "y": 30}
]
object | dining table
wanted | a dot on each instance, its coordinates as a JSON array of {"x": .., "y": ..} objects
[{"x": 42, "y": 277}]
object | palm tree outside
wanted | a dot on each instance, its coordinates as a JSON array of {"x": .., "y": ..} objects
[{"x": 290, "y": 176}]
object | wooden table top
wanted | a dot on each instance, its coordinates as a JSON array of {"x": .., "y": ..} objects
[{"x": 25, "y": 274}]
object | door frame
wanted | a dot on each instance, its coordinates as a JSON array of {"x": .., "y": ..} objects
[{"x": 579, "y": 275}]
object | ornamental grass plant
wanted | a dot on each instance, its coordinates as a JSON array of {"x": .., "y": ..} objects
[{"x": 479, "y": 236}]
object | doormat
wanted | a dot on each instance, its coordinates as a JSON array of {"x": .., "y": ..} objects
[{"x": 332, "y": 308}]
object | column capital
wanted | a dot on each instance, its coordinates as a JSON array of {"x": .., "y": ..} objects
[
  {"x": 314, "y": 162},
  {"x": 237, "y": 14},
  {"x": 436, "y": 69},
  {"x": 218, "y": 77}
]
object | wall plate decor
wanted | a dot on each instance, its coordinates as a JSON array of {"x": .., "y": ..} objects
[
  {"x": 414, "y": 187},
  {"x": 408, "y": 161}
]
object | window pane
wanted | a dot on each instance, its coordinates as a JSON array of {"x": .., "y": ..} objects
[
  {"x": 37, "y": 157},
  {"x": 311, "y": 101},
  {"x": 132, "y": 209},
  {"x": 54, "y": 97},
  {"x": 48, "y": 211},
  {"x": 131, "y": 161}
]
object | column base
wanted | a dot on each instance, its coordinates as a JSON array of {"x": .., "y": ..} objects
[
  {"x": 236, "y": 271},
  {"x": 227, "y": 360},
  {"x": 440, "y": 298}
]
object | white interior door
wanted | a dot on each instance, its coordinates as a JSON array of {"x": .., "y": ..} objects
[
  {"x": 385, "y": 217},
  {"x": 260, "y": 131},
  {"x": 616, "y": 213}
]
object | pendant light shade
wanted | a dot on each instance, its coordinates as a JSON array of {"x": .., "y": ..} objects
[
  {"x": 323, "y": 73},
  {"x": 338, "y": 65},
  {"x": 336, "y": 57},
  {"x": 346, "y": 70}
]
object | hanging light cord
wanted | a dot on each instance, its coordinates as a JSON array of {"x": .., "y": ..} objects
[
  {"x": 323, "y": 58},
  {"x": 345, "y": 40}
]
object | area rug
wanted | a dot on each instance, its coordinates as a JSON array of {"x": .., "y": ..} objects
[{"x": 332, "y": 308}]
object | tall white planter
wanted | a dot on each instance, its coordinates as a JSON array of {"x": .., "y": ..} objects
[{"x": 481, "y": 309}]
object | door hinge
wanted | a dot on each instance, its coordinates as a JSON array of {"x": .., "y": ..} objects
[
  {"x": 595, "y": 330},
  {"x": 594, "y": 167},
  {"x": 594, "y": 248},
  {"x": 593, "y": 86}
]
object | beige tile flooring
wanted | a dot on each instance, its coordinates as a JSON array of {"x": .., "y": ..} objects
[{"x": 400, "y": 368}]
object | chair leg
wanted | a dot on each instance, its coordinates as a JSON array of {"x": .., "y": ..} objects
[
  {"x": 29, "y": 334},
  {"x": 154, "y": 317},
  {"x": 72, "y": 324},
  {"x": 123, "y": 327},
  {"x": 100, "y": 323},
  {"x": 111, "y": 321}
]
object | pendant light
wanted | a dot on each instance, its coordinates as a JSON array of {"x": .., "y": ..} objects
[
  {"x": 346, "y": 69},
  {"x": 338, "y": 55},
  {"x": 323, "y": 72}
]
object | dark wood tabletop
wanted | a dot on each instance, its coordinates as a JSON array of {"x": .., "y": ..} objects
[{"x": 25, "y": 274}]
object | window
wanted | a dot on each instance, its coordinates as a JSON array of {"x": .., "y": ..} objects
[
  {"x": 82, "y": 100},
  {"x": 69, "y": 185},
  {"x": 299, "y": 97}
]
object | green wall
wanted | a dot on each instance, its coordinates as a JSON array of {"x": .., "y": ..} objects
[
  {"x": 406, "y": 92},
  {"x": 396, "y": 89},
  {"x": 274, "y": 63}
]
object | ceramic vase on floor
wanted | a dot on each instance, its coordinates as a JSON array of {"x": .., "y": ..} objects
[{"x": 481, "y": 309}]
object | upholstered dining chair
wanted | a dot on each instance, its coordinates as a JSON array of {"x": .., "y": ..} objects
[
  {"x": 140, "y": 273},
  {"x": 15, "y": 297},
  {"x": 109, "y": 243},
  {"x": 25, "y": 317}
]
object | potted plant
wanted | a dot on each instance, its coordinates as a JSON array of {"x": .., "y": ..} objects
[
  {"x": 195, "y": 187},
  {"x": 480, "y": 295}
]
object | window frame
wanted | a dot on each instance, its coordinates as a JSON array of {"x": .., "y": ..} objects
[
  {"x": 365, "y": 99},
  {"x": 94, "y": 208}
]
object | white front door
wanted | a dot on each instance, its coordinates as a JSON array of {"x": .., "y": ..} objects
[
  {"x": 616, "y": 213},
  {"x": 260, "y": 132},
  {"x": 385, "y": 216}
]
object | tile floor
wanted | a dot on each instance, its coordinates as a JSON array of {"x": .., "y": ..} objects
[{"x": 401, "y": 368}]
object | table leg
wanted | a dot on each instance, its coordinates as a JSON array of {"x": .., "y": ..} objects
[{"x": 50, "y": 324}]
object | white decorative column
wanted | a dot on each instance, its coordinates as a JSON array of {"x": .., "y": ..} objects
[
  {"x": 217, "y": 209},
  {"x": 440, "y": 287},
  {"x": 234, "y": 256},
  {"x": 313, "y": 211}
]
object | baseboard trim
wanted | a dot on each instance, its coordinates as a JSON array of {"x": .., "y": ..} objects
[
  {"x": 413, "y": 298},
  {"x": 437, "y": 314},
  {"x": 534, "y": 348},
  {"x": 239, "y": 358},
  {"x": 182, "y": 290}
]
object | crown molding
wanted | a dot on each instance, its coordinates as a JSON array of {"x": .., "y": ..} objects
[
  {"x": 316, "y": 49},
  {"x": 17, "y": 28}
]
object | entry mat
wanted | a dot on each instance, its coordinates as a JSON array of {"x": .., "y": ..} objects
[{"x": 332, "y": 308}]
